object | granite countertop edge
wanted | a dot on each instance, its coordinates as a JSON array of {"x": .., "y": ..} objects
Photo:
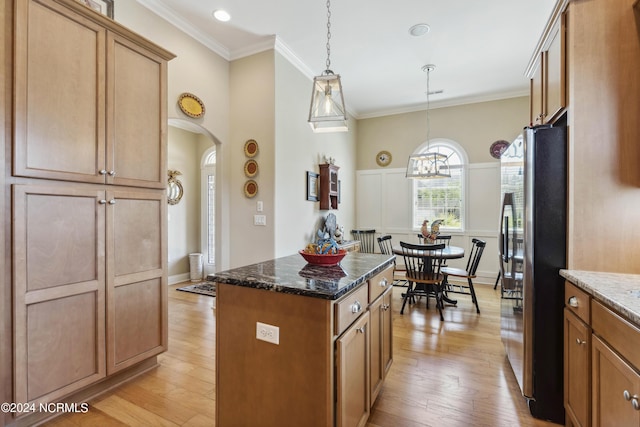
[
  {"x": 617, "y": 290},
  {"x": 243, "y": 276}
]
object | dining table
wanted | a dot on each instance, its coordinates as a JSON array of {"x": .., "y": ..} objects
[{"x": 449, "y": 252}]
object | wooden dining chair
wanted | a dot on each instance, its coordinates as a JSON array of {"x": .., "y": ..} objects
[
  {"x": 423, "y": 264},
  {"x": 469, "y": 273},
  {"x": 366, "y": 239},
  {"x": 386, "y": 247}
]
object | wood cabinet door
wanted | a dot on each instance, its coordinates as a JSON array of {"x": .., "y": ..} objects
[
  {"x": 352, "y": 374},
  {"x": 555, "y": 82},
  {"x": 577, "y": 370},
  {"x": 136, "y": 277},
  {"x": 59, "y": 290},
  {"x": 387, "y": 332},
  {"x": 537, "y": 91},
  {"x": 136, "y": 115},
  {"x": 612, "y": 377},
  {"x": 59, "y": 93},
  {"x": 381, "y": 341},
  {"x": 376, "y": 364}
]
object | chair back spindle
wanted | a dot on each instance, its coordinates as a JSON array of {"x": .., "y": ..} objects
[{"x": 366, "y": 239}]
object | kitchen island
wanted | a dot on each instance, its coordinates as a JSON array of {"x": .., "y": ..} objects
[{"x": 299, "y": 344}]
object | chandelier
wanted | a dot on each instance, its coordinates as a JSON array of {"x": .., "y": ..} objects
[
  {"x": 429, "y": 164},
  {"x": 327, "y": 112}
]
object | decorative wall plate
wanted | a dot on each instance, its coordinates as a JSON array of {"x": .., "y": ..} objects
[
  {"x": 251, "y": 148},
  {"x": 383, "y": 158},
  {"x": 191, "y": 105},
  {"x": 251, "y": 168},
  {"x": 497, "y": 148},
  {"x": 250, "y": 188}
]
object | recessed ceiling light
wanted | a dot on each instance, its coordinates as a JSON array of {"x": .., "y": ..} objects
[
  {"x": 419, "y": 30},
  {"x": 221, "y": 15}
]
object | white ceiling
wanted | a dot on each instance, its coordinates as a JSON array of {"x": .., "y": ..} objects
[{"x": 481, "y": 48}]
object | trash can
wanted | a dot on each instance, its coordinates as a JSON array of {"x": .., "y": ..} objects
[{"x": 195, "y": 267}]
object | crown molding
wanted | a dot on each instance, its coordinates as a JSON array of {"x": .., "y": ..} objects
[{"x": 179, "y": 22}]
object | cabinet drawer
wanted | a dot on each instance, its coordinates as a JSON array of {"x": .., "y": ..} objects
[
  {"x": 577, "y": 301},
  {"x": 350, "y": 308},
  {"x": 618, "y": 332},
  {"x": 380, "y": 283}
]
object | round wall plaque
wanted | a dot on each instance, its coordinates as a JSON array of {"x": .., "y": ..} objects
[
  {"x": 251, "y": 168},
  {"x": 191, "y": 105},
  {"x": 251, "y": 148},
  {"x": 250, "y": 188}
]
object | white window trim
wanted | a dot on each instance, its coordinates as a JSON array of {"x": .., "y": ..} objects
[{"x": 464, "y": 158}]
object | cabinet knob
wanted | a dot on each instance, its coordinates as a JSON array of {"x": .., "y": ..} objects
[
  {"x": 386, "y": 307},
  {"x": 356, "y": 307},
  {"x": 627, "y": 395},
  {"x": 383, "y": 282},
  {"x": 112, "y": 173},
  {"x": 112, "y": 201},
  {"x": 573, "y": 302},
  {"x": 635, "y": 403},
  {"x": 361, "y": 330},
  {"x": 580, "y": 342},
  {"x": 102, "y": 172},
  {"x": 102, "y": 202}
]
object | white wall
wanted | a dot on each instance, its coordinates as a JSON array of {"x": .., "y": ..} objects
[
  {"x": 198, "y": 70},
  {"x": 299, "y": 150},
  {"x": 384, "y": 195},
  {"x": 385, "y": 204}
]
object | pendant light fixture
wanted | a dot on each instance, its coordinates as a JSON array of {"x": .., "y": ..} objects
[
  {"x": 429, "y": 164},
  {"x": 327, "y": 112}
]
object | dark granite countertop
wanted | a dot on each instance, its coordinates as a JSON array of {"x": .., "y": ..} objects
[
  {"x": 617, "y": 290},
  {"x": 292, "y": 275}
]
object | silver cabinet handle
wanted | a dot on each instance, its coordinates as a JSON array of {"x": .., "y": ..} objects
[
  {"x": 634, "y": 400},
  {"x": 102, "y": 172},
  {"x": 580, "y": 342},
  {"x": 361, "y": 330},
  {"x": 383, "y": 282},
  {"x": 356, "y": 307},
  {"x": 573, "y": 302},
  {"x": 112, "y": 173},
  {"x": 102, "y": 202},
  {"x": 112, "y": 201},
  {"x": 386, "y": 307}
]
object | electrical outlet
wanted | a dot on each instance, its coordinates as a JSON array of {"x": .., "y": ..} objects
[
  {"x": 268, "y": 333},
  {"x": 259, "y": 220}
]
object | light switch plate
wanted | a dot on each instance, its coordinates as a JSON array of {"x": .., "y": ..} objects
[{"x": 259, "y": 220}]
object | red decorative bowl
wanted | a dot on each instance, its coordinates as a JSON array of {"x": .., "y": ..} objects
[{"x": 323, "y": 259}]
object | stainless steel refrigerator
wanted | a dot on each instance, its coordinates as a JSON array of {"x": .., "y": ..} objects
[{"x": 532, "y": 252}]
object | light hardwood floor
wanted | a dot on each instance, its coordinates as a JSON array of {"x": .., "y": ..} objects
[{"x": 451, "y": 373}]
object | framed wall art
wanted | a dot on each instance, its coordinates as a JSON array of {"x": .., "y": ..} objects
[{"x": 312, "y": 186}]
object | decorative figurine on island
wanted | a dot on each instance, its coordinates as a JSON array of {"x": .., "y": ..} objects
[
  {"x": 430, "y": 236},
  {"x": 328, "y": 238}
]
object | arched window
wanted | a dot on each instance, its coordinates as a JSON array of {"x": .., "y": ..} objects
[{"x": 441, "y": 198}]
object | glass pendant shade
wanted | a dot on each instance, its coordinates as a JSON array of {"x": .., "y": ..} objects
[
  {"x": 428, "y": 165},
  {"x": 327, "y": 112}
]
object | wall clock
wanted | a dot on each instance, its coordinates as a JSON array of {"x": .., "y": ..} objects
[
  {"x": 383, "y": 158},
  {"x": 191, "y": 105}
]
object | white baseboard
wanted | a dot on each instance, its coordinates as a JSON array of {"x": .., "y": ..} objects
[{"x": 179, "y": 278}]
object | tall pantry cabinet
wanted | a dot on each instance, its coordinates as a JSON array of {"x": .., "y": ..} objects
[{"x": 84, "y": 182}]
